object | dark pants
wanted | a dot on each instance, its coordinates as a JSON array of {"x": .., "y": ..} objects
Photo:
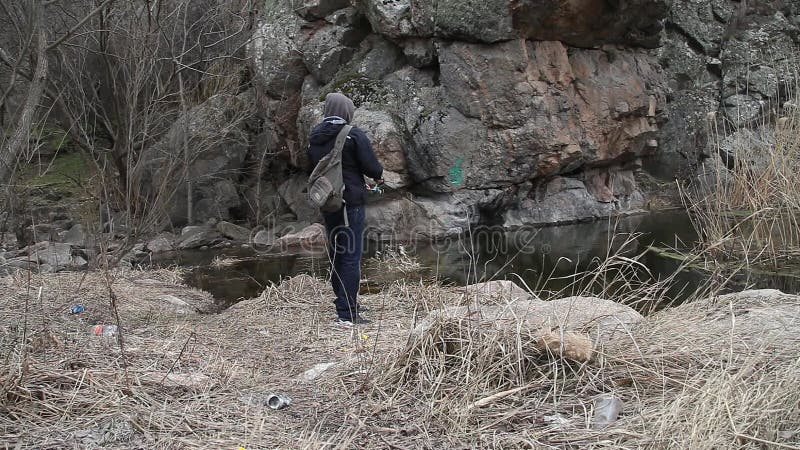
[{"x": 345, "y": 244}]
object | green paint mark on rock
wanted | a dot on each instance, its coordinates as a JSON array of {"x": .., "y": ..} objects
[{"x": 456, "y": 174}]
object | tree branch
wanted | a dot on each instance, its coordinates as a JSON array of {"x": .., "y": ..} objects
[{"x": 77, "y": 26}]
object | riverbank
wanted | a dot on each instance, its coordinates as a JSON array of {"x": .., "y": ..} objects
[{"x": 718, "y": 373}]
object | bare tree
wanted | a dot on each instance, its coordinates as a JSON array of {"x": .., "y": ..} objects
[
  {"x": 27, "y": 18},
  {"x": 120, "y": 76}
]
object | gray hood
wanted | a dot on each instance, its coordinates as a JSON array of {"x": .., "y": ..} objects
[{"x": 338, "y": 105}]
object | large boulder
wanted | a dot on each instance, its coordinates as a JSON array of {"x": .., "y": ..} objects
[
  {"x": 497, "y": 291},
  {"x": 602, "y": 320},
  {"x": 233, "y": 232},
  {"x": 276, "y": 50}
]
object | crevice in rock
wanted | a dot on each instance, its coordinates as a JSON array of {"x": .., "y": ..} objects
[{"x": 691, "y": 41}]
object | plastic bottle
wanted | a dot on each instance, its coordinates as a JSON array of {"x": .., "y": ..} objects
[
  {"x": 77, "y": 309},
  {"x": 105, "y": 330}
]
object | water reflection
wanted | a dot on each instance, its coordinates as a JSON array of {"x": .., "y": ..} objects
[{"x": 543, "y": 259}]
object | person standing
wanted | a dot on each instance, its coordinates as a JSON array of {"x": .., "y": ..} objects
[{"x": 345, "y": 235}]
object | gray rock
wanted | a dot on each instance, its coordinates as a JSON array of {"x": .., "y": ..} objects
[
  {"x": 329, "y": 49},
  {"x": 718, "y": 56},
  {"x": 420, "y": 52},
  {"x": 566, "y": 200},
  {"x": 696, "y": 22},
  {"x": 309, "y": 238},
  {"x": 349, "y": 16},
  {"x": 40, "y": 232},
  {"x": 467, "y": 20},
  {"x": 379, "y": 58},
  {"x": 22, "y": 262},
  {"x": 264, "y": 203},
  {"x": 742, "y": 109},
  {"x": 233, "y": 232},
  {"x": 409, "y": 217},
  {"x": 197, "y": 237},
  {"x": 76, "y": 236},
  {"x": 684, "y": 137},
  {"x": 603, "y": 319},
  {"x": 264, "y": 239},
  {"x": 291, "y": 227},
  {"x": 501, "y": 291},
  {"x": 526, "y": 110},
  {"x": 162, "y": 243},
  {"x": 754, "y": 61},
  {"x": 318, "y": 9},
  {"x": 55, "y": 254},
  {"x": 394, "y": 219},
  {"x": 275, "y": 50},
  {"x": 294, "y": 192},
  {"x": 585, "y": 24},
  {"x": 390, "y": 18},
  {"x": 387, "y": 138}
]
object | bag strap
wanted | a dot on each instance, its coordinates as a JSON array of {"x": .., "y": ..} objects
[
  {"x": 338, "y": 148},
  {"x": 340, "y": 140}
]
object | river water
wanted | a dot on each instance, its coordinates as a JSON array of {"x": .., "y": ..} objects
[{"x": 542, "y": 258}]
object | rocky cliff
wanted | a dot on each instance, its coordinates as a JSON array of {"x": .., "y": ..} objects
[
  {"x": 507, "y": 112},
  {"x": 735, "y": 58}
]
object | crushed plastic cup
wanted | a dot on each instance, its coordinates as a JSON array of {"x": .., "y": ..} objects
[
  {"x": 105, "y": 330},
  {"x": 278, "y": 401},
  {"x": 606, "y": 410}
]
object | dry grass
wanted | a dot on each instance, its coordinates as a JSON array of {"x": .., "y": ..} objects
[
  {"x": 749, "y": 211},
  {"x": 719, "y": 373}
]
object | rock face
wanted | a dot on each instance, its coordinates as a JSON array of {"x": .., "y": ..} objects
[
  {"x": 480, "y": 111},
  {"x": 582, "y": 23},
  {"x": 498, "y": 112},
  {"x": 721, "y": 56}
]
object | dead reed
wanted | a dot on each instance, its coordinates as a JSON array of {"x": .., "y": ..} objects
[{"x": 747, "y": 206}]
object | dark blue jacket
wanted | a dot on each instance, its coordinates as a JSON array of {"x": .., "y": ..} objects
[{"x": 358, "y": 158}]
